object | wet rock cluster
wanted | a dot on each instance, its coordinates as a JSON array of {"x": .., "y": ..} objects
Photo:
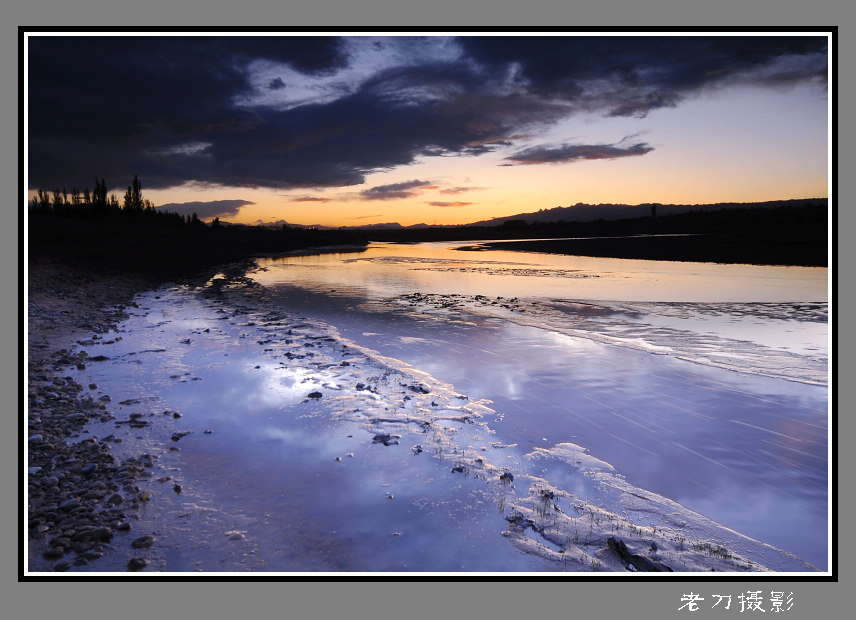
[
  {"x": 79, "y": 494},
  {"x": 80, "y": 497}
]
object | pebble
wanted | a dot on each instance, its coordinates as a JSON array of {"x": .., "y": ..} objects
[
  {"x": 143, "y": 542},
  {"x": 137, "y": 563},
  {"x": 72, "y": 503},
  {"x": 91, "y": 468},
  {"x": 385, "y": 439}
]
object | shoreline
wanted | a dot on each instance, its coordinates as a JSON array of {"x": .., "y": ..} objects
[
  {"x": 79, "y": 494},
  {"x": 701, "y": 248}
]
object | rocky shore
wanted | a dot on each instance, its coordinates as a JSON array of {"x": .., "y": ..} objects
[{"x": 79, "y": 494}]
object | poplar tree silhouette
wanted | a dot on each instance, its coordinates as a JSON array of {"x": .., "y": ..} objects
[{"x": 133, "y": 201}]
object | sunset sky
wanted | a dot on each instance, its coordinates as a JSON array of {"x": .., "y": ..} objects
[{"x": 427, "y": 128}]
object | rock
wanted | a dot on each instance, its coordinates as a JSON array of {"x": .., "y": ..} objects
[
  {"x": 100, "y": 534},
  {"x": 143, "y": 542},
  {"x": 92, "y": 554},
  {"x": 315, "y": 395},
  {"x": 69, "y": 503},
  {"x": 385, "y": 439},
  {"x": 178, "y": 435},
  {"x": 635, "y": 562},
  {"x": 137, "y": 563},
  {"x": 507, "y": 476},
  {"x": 54, "y": 553},
  {"x": 89, "y": 469}
]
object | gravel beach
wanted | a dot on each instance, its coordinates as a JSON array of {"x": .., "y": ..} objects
[{"x": 79, "y": 494}]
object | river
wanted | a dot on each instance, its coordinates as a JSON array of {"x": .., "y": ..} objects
[{"x": 415, "y": 408}]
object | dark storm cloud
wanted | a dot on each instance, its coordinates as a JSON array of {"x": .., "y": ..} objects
[
  {"x": 568, "y": 153},
  {"x": 179, "y": 109},
  {"x": 110, "y": 106},
  {"x": 632, "y": 76},
  {"x": 396, "y": 190},
  {"x": 206, "y": 210}
]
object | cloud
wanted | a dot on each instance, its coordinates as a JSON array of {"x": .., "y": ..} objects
[
  {"x": 569, "y": 153},
  {"x": 460, "y": 190},
  {"x": 206, "y": 210},
  {"x": 310, "y": 199},
  {"x": 632, "y": 76},
  {"x": 451, "y": 204},
  {"x": 309, "y": 112},
  {"x": 406, "y": 189}
]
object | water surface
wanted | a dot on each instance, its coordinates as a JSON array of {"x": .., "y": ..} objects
[{"x": 700, "y": 385}]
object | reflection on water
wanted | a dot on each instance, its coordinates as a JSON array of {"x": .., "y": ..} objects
[
  {"x": 467, "y": 368},
  {"x": 386, "y": 270},
  {"x": 707, "y": 438}
]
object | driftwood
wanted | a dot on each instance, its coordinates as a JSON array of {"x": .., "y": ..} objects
[{"x": 638, "y": 562}]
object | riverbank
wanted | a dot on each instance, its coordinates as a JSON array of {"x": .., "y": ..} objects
[
  {"x": 79, "y": 494},
  {"x": 701, "y": 248}
]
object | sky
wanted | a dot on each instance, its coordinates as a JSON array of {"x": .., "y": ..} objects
[{"x": 360, "y": 129}]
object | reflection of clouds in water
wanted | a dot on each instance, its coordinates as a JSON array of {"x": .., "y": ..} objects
[
  {"x": 530, "y": 272},
  {"x": 393, "y": 260},
  {"x": 423, "y": 266},
  {"x": 287, "y": 436},
  {"x": 562, "y": 387}
]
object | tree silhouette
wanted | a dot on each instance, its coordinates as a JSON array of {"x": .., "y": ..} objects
[{"x": 133, "y": 201}]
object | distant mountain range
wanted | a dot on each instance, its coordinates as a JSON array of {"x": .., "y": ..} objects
[{"x": 582, "y": 212}]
